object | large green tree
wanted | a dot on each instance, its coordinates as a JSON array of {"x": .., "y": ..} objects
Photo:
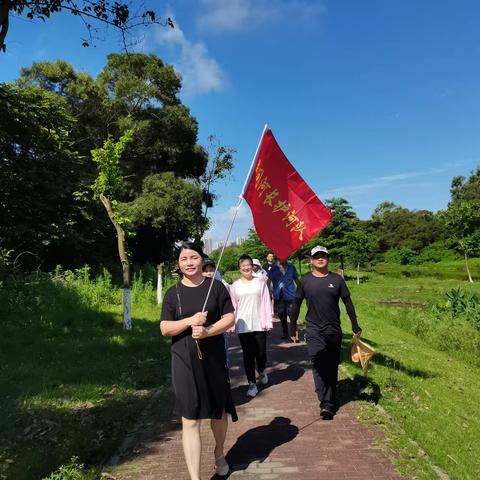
[
  {"x": 466, "y": 189},
  {"x": 139, "y": 92},
  {"x": 462, "y": 222},
  {"x": 333, "y": 235},
  {"x": 398, "y": 227},
  {"x": 38, "y": 171}
]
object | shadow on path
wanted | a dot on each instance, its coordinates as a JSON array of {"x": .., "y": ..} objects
[{"x": 256, "y": 444}]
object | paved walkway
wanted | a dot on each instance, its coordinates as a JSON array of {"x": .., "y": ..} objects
[{"x": 279, "y": 434}]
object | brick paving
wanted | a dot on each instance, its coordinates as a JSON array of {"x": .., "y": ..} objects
[{"x": 279, "y": 434}]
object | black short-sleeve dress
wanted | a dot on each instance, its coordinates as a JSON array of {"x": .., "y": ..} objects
[{"x": 201, "y": 386}]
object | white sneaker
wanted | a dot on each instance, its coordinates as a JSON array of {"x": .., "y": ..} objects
[
  {"x": 263, "y": 377},
  {"x": 252, "y": 390}
]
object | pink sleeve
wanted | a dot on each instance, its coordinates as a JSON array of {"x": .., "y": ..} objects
[{"x": 266, "y": 307}]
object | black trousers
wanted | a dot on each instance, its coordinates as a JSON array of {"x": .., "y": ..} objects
[
  {"x": 254, "y": 347},
  {"x": 324, "y": 351},
  {"x": 282, "y": 310}
]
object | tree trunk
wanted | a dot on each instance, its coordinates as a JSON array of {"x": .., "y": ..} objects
[
  {"x": 159, "y": 283},
  {"x": 358, "y": 273},
  {"x": 468, "y": 270},
  {"x": 4, "y": 21},
  {"x": 122, "y": 253}
]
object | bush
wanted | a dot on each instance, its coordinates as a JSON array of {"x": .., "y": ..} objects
[
  {"x": 403, "y": 256},
  {"x": 436, "y": 252},
  {"x": 72, "y": 471},
  {"x": 462, "y": 304}
]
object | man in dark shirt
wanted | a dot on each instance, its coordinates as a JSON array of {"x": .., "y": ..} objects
[
  {"x": 283, "y": 276},
  {"x": 323, "y": 290},
  {"x": 270, "y": 262}
]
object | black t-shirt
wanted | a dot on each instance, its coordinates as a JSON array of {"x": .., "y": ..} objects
[
  {"x": 181, "y": 302},
  {"x": 322, "y": 295}
]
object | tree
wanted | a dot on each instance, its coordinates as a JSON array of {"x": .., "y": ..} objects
[
  {"x": 139, "y": 92},
  {"x": 359, "y": 247},
  {"x": 230, "y": 258},
  {"x": 254, "y": 247},
  {"x": 466, "y": 189},
  {"x": 219, "y": 166},
  {"x": 462, "y": 221},
  {"x": 168, "y": 209},
  {"x": 38, "y": 171},
  {"x": 398, "y": 227},
  {"x": 108, "y": 187},
  {"x": 93, "y": 13},
  {"x": 343, "y": 222}
]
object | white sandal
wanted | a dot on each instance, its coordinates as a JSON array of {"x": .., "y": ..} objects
[{"x": 221, "y": 466}]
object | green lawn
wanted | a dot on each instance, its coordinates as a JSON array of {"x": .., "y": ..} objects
[
  {"x": 432, "y": 394},
  {"x": 72, "y": 381}
]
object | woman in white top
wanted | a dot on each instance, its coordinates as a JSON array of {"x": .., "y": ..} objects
[{"x": 253, "y": 318}]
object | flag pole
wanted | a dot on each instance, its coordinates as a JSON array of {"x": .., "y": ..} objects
[
  {"x": 239, "y": 204},
  {"x": 254, "y": 161}
]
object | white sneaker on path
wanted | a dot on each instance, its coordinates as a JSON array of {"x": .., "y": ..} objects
[
  {"x": 252, "y": 390},
  {"x": 263, "y": 377}
]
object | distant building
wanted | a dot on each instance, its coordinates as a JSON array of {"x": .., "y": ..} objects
[
  {"x": 239, "y": 241},
  {"x": 207, "y": 245},
  {"x": 220, "y": 244}
]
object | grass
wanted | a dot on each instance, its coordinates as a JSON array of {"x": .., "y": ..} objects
[
  {"x": 72, "y": 381},
  {"x": 451, "y": 269},
  {"x": 430, "y": 393}
]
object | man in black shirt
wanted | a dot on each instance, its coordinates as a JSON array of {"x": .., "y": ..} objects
[{"x": 323, "y": 290}]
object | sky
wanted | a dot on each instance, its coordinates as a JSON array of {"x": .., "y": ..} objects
[{"x": 370, "y": 100}]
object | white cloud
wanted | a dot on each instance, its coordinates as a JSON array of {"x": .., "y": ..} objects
[
  {"x": 200, "y": 72},
  {"x": 389, "y": 181},
  {"x": 232, "y": 15},
  {"x": 221, "y": 222}
]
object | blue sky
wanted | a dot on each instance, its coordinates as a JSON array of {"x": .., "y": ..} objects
[{"x": 371, "y": 101}]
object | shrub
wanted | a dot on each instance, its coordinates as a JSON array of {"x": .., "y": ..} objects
[
  {"x": 403, "y": 255},
  {"x": 72, "y": 471},
  {"x": 436, "y": 252}
]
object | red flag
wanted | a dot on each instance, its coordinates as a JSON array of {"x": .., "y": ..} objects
[{"x": 286, "y": 211}]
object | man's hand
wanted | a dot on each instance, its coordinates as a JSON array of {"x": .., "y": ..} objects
[
  {"x": 199, "y": 331},
  {"x": 198, "y": 319}
]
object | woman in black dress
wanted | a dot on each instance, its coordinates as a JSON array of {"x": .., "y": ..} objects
[{"x": 199, "y": 375}]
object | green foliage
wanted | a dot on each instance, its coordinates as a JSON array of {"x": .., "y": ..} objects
[
  {"x": 73, "y": 471},
  {"x": 464, "y": 304},
  {"x": 445, "y": 269},
  {"x": 359, "y": 246},
  {"x": 5, "y": 262},
  {"x": 230, "y": 258},
  {"x": 462, "y": 219},
  {"x": 254, "y": 247},
  {"x": 343, "y": 222},
  {"x": 168, "y": 209},
  {"x": 403, "y": 256},
  {"x": 37, "y": 173},
  {"x": 436, "y": 252},
  {"x": 109, "y": 181},
  {"x": 397, "y": 227},
  {"x": 133, "y": 91},
  {"x": 466, "y": 190},
  {"x": 72, "y": 380}
]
